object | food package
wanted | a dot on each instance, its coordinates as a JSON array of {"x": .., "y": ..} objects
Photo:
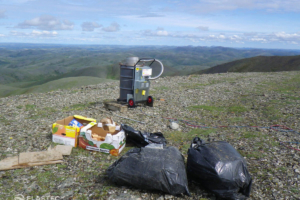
[{"x": 108, "y": 124}]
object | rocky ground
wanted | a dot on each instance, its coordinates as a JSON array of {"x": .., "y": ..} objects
[{"x": 235, "y": 99}]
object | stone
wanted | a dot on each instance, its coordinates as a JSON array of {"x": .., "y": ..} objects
[
  {"x": 32, "y": 187},
  {"x": 67, "y": 194},
  {"x": 167, "y": 196},
  {"x": 174, "y": 125},
  {"x": 67, "y": 183},
  {"x": 160, "y": 198},
  {"x": 27, "y": 129}
]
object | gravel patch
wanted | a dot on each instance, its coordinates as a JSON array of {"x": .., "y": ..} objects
[{"x": 213, "y": 100}]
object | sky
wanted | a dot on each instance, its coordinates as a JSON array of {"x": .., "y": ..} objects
[{"x": 229, "y": 23}]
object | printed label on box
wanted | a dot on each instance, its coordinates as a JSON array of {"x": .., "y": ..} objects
[
  {"x": 113, "y": 144},
  {"x": 147, "y": 72},
  {"x": 63, "y": 140}
]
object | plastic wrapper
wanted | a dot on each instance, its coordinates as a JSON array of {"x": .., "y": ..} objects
[
  {"x": 140, "y": 139},
  {"x": 151, "y": 169},
  {"x": 218, "y": 167},
  {"x": 75, "y": 123}
]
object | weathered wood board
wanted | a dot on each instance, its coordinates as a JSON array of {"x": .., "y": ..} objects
[
  {"x": 27, "y": 159},
  {"x": 12, "y": 163},
  {"x": 115, "y": 106},
  {"x": 34, "y": 157},
  {"x": 65, "y": 150}
]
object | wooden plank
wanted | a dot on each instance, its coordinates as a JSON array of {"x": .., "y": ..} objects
[
  {"x": 115, "y": 106},
  {"x": 63, "y": 149},
  {"x": 13, "y": 163},
  {"x": 9, "y": 162},
  {"x": 50, "y": 162},
  {"x": 42, "y": 156},
  {"x": 28, "y": 159}
]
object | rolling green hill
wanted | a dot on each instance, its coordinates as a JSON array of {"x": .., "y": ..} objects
[
  {"x": 6, "y": 90},
  {"x": 63, "y": 83},
  {"x": 258, "y": 64},
  {"x": 33, "y": 62},
  {"x": 67, "y": 83},
  {"x": 26, "y": 67}
]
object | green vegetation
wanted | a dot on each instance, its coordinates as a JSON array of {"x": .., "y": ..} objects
[
  {"x": 250, "y": 135},
  {"x": 80, "y": 106},
  {"x": 264, "y": 104},
  {"x": 295, "y": 190},
  {"x": 161, "y": 88},
  {"x": 236, "y": 119},
  {"x": 43, "y": 112},
  {"x": 27, "y": 68},
  {"x": 30, "y": 107},
  {"x": 253, "y": 154},
  {"x": 293, "y": 84},
  {"x": 232, "y": 109},
  {"x": 207, "y": 108},
  {"x": 183, "y": 140},
  {"x": 289, "y": 96},
  {"x": 271, "y": 112},
  {"x": 63, "y": 83},
  {"x": 4, "y": 120},
  {"x": 258, "y": 64},
  {"x": 192, "y": 86},
  {"x": 237, "y": 109}
]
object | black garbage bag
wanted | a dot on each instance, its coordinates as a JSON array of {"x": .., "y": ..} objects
[
  {"x": 140, "y": 139},
  {"x": 151, "y": 169},
  {"x": 218, "y": 167}
]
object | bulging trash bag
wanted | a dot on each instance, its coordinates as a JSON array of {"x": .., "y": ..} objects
[
  {"x": 218, "y": 167},
  {"x": 140, "y": 139},
  {"x": 151, "y": 169}
]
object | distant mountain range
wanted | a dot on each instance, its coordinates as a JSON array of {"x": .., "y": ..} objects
[
  {"x": 258, "y": 64},
  {"x": 26, "y": 67}
]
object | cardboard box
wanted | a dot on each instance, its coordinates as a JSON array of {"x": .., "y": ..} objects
[
  {"x": 94, "y": 137},
  {"x": 108, "y": 125},
  {"x": 65, "y": 134}
]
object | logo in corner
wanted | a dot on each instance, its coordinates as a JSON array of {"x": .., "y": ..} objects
[{"x": 19, "y": 197}]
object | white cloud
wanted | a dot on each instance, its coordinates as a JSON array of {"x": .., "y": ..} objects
[
  {"x": 114, "y": 27},
  {"x": 236, "y": 38},
  {"x": 215, "y": 37},
  {"x": 44, "y": 33},
  {"x": 46, "y": 22},
  {"x": 90, "y": 26},
  {"x": 222, "y": 36},
  {"x": 290, "y": 38},
  {"x": 206, "y": 6},
  {"x": 257, "y": 39},
  {"x": 35, "y": 33},
  {"x": 202, "y": 28},
  {"x": 151, "y": 15},
  {"x": 162, "y": 33},
  {"x": 2, "y": 35},
  {"x": 287, "y": 36},
  {"x": 159, "y": 32},
  {"x": 17, "y": 33}
]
